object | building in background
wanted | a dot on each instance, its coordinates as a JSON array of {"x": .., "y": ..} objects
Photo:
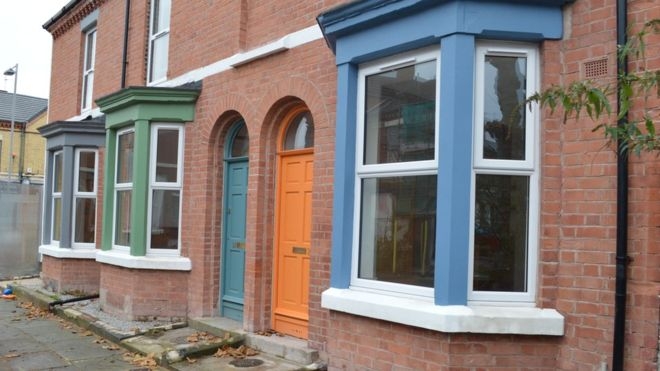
[
  {"x": 362, "y": 176},
  {"x": 29, "y": 145}
]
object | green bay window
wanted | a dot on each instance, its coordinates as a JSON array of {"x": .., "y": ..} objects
[{"x": 144, "y": 176}]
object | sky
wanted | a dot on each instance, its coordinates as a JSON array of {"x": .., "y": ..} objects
[{"x": 24, "y": 41}]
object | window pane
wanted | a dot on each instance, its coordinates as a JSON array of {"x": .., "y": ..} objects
[
  {"x": 57, "y": 173},
  {"x": 161, "y": 18},
  {"x": 397, "y": 234},
  {"x": 300, "y": 133},
  {"x": 167, "y": 156},
  {"x": 504, "y": 107},
  {"x": 165, "y": 219},
  {"x": 89, "y": 50},
  {"x": 159, "y": 50},
  {"x": 400, "y": 115},
  {"x": 240, "y": 144},
  {"x": 85, "y": 220},
  {"x": 500, "y": 233},
  {"x": 57, "y": 219},
  {"x": 123, "y": 218},
  {"x": 86, "y": 171},
  {"x": 125, "y": 157},
  {"x": 88, "y": 83}
]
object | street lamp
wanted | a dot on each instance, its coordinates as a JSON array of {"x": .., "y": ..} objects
[{"x": 13, "y": 71}]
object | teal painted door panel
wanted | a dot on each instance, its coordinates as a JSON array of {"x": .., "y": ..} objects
[{"x": 233, "y": 250}]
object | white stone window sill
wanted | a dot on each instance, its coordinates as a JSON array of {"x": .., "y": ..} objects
[
  {"x": 123, "y": 259},
  {"x": 67, "y": 253},
  {"x": 449, "y": 318}
]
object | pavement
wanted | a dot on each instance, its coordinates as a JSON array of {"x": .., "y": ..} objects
[{"x": 37, "y": 335}]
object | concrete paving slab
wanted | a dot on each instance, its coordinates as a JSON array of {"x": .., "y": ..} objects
[{"x": 43, "y": 360}]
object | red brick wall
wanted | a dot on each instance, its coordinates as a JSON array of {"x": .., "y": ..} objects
[
  {"x": 579, "y": 208},
  {"x": 143, "y": 294},
  {"x": 70, "y": 275},
  {"x": 578, "y": 182}
]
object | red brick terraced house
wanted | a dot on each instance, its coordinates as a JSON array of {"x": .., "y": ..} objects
[{"x": 362, "y": 175}]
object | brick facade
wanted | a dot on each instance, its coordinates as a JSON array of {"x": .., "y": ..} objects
[
  {"x": 578, "y": 191},
  {"x": 70, "y": 275}
]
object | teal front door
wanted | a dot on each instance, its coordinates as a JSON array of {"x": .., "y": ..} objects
[{"x": 233, "y": 247}]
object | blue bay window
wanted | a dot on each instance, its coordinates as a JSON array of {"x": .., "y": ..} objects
[{"x": 436, "y": 203}]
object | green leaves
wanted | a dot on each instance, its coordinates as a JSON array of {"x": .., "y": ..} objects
[{"x": 636, "y": 134}]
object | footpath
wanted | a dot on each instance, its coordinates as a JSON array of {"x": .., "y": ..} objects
[{"x": 199, "y": 344}]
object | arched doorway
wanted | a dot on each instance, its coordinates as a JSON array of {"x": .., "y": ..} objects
[
  {"x": 293, "y": 224},
  {"x": 234, "y": 204}
]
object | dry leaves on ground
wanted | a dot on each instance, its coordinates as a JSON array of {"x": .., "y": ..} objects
[
  {"x": 268, "y": 333},
  {"x": 240, "y": 352},
  {"x": 143, "y": 361},
  {"x": 201, "y": 336},
  {"x": 33, "y": 312},
  {"x": 10, "y": 355}
]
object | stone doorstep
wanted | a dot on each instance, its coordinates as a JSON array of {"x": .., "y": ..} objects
[{"x": 286, "y": 347}]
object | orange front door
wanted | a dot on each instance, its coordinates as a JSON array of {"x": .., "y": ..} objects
[{"x": 293, "y": 235}]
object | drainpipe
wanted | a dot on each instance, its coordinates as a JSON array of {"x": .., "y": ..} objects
[
  {"x": 124, "y": 56},
  {"x": 622, "y": 207}
]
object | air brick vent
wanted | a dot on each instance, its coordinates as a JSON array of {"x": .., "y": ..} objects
[{"x": 595, "y": 68}]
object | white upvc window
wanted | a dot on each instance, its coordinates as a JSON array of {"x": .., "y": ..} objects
[
  {"x": 88, "y": 70},
  {"x": 123, "y": 189},
  {"x": 165, "y": 183},
  {"x": 84, "y": 198},
  {"x": 159, "y": 39},
  {"x": 396, "y": 174},
  {"x": 58, "y": 183},
  {"x": 505, "y": 189}
]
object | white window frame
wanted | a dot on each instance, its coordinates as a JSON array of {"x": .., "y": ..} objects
[
  {"x": 155, "y": 185},
  {"x": 77, "y": 194},
  {"x": 54, "y": 196},
  {"x": 416, "y": 168},
  {"x": 88, "y": 73},
  {"x": 525, "y": 168},
  {"x": 121, "y": 187},
  {"x": 164, "y": 33}
]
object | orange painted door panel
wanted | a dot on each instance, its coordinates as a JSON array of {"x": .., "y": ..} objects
[{"x": 294, "y": 231}]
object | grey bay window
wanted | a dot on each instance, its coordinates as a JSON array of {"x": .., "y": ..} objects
[{"x": 69, "y": 215}]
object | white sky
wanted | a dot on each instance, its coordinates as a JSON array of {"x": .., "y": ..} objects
[{"x": 24, "y": 41}]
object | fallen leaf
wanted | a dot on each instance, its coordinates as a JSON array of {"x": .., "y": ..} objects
[
  {"x": 190, "y": 360},
  {"x": 10, "y": 355}
]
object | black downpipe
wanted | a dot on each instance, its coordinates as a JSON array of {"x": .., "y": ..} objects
[
  {"x": 124, "y": 56},
  {"x": 622, "y": 206},
  {"x": 52, "y": 304}
]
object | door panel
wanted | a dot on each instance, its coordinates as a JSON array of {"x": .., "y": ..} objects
[
  {"x": 233, "y": 267},
  {"x": 291, "y": 298}
]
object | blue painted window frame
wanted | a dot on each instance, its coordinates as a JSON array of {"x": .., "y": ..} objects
[{"x": 402, "y": 26}]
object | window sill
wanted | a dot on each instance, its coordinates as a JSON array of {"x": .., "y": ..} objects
[
  {"x": 123, "y": 259},
  {"x": 67, "y": 253},
  {"x": 450, "y": 318}
]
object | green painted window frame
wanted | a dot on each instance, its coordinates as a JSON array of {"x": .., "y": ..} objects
[{"x": 138, "y": 108}]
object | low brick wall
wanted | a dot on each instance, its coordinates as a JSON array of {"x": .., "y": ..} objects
[{"x": 67, "y": 275}]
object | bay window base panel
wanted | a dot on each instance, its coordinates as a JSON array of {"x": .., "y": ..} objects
[
  {"x": 69, "y": 274},
  {"x": 67, "y": 253},
  {"x": 449, "y": 318},
  {"x": 122, "y": 259}
]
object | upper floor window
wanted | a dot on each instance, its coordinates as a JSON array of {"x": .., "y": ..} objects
[
  {"x": 159, "y": 39},
  {"x": 88, "y": 70}
]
